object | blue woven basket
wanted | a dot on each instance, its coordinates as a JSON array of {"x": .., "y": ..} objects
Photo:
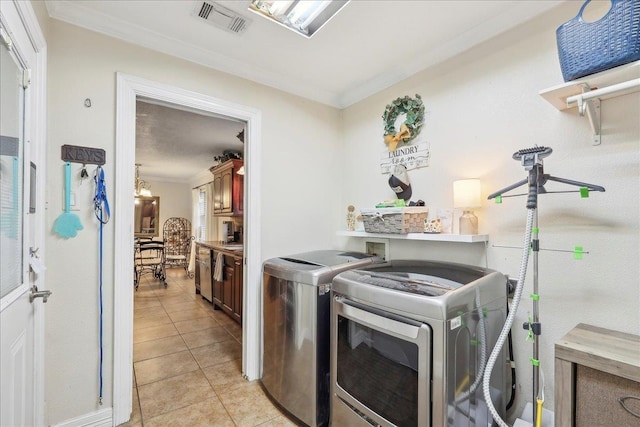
[{"x": 590, "y": 47}]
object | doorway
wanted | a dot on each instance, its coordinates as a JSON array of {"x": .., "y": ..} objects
[{"x": 130, "y": 88}]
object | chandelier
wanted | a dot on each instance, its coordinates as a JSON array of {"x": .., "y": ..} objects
[{"x": 140, "y": 185}]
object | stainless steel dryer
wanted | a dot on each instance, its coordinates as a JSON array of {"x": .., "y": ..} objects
[
  {"x": 296, "y": 319},
  {"x": 409, "y": 343}
]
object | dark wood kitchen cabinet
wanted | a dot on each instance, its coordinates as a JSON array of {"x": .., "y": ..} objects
[
  {"x": 228, "y": 188},
  {"x": 227, "y": 294},
  {"x": 228, "y": 285},
  {"x": 239, "y": 284},
  {"x": 217, "y": 294}
]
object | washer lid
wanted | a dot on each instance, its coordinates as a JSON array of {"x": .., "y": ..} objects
[
  {"x": 414, "y": 283},
  {"x": 316, "y": 267},
  {"x": 421, "y": 289},
  {"x": 332, "y": 258}
]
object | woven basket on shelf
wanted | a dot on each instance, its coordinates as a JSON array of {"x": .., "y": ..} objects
[
  {"x": 395, "y": 220},
  {"x": 587, "y": 48}
]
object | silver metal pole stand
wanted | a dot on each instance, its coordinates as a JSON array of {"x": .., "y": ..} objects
[
  {"x": 531, "y": 159},
  {"x": 536, "y": 317}
]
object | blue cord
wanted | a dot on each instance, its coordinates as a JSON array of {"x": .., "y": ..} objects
[
  {"x": 101, "y": 204},
  {"x": 101, "y": 207},
  {"x": 101, "y": 341}
]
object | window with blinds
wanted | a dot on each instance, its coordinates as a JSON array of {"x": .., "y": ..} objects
[{"x": 202, "y": 214}]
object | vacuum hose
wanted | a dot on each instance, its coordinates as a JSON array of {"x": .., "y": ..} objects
[{"x": 509, "y": 322}]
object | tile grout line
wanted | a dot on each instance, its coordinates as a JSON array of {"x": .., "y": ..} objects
[
  {"x": 219, "y": 398},
  {"x": 192, "y": 355},
  {"x": 229, "y": 328},
  {"x": 208, "y": 380}
]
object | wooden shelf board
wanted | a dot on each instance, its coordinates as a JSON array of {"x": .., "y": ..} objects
[
  {"x": 459, "y": 238},
  {"x": 557, "y": 95},
  {"x": 602, "y": 349}
]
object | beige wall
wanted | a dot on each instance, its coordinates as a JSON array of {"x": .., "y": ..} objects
[
  {"x": 42, "y": 15},
  {"x": 299, "y": 188},
  {"x": 481, "y": 108},
  {"x": 175, "y": 200}
]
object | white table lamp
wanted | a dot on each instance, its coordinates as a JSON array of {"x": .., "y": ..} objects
[{"x": 466, "y": 196}]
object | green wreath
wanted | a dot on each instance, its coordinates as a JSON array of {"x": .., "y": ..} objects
[{"x": 414, "y": 110}]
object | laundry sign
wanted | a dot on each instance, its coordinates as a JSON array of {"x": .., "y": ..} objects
[{"x": 411, "y": 156}]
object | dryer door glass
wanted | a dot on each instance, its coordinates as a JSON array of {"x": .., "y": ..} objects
[{"x": 379, "y": 370}]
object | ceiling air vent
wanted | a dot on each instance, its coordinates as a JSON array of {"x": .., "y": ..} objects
[{"x": 221, "y": 17}]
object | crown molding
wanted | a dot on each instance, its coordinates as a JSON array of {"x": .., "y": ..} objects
[{"x": 74, "y": 13}]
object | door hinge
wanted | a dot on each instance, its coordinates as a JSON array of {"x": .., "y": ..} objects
[
  {"x": 6, "y": 40},
  {"x": 26, "y": 78}
]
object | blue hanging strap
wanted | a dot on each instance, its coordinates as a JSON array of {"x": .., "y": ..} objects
[
  {"x": 101, "y": 208},
  {"x": 100, "y": 202}
]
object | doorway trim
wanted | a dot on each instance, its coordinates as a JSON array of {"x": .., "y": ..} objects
[{"x": 128, "y": 89}]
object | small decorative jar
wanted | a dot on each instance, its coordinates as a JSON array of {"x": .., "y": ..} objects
[{"x": 351, "y": 218}]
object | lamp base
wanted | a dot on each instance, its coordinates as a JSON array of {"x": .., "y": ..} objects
[{"x": 468, "y": 223}]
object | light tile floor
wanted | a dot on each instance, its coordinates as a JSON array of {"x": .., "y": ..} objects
[{"x": 187, "y": 361}]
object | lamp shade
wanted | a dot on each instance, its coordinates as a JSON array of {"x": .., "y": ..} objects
[{"x": 466, "y": 193}]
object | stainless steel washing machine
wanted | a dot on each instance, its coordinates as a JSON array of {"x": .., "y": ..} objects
[
  {"x": 296, "y": 319},
  {"x": 409, "y": 343}
]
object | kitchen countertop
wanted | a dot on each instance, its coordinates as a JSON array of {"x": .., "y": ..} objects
[{"x": 234, "y": 249}]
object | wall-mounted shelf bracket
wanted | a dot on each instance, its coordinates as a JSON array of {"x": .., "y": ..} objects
[
  {"x": 592, "y": 109},
  {"x": 586, "y": 93},
  {"x": 589, "y": 101}
]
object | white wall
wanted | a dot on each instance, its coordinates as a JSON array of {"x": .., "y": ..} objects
[
  {"x": 299, "y": 188},
  {"x": 175, "y": 200},
  {"x": 481, "y": 107}
]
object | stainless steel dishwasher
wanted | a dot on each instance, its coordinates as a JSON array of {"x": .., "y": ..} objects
[
  {"x": 204, "y": 261},
  {"x": 296, "y": 319}
]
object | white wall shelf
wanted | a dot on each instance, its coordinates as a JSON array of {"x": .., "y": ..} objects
[
  {"x": 456, "y": 238},
  {"x": 587, "y": 92}
]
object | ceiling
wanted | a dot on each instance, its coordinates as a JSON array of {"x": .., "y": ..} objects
[
  {"x": 174, "y": 145},
  {"x": 368, "y": 46}
]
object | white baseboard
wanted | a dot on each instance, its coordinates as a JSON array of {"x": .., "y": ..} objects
[{"x": 101, "y": 418}]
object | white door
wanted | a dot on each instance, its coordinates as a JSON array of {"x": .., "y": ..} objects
[{"x": 18, "y": 297}]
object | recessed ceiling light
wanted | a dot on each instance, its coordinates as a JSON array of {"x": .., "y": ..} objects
[{"x": 305, "y": 17}]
